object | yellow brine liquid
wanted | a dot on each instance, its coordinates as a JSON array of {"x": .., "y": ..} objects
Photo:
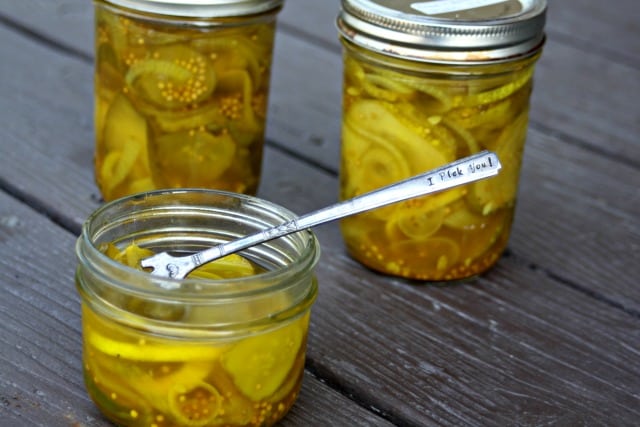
[
  {"x": 401, "y": 119},
  {"x": 138, "y": 377},
  {"x": 179, "y": 105}
]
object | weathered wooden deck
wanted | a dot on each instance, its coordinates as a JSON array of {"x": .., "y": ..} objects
[{"x": 549, "y": 337}]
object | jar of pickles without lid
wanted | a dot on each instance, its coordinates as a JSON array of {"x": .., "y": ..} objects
[
  {"x": 181, "y": 90},
  {"x": 223, "y": 347},
  {"x": 425, "y": 83}
]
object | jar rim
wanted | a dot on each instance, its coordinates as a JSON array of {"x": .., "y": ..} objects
[
  {"x": 470, "y": 31},
  {"x": 203, "y": 289},
  {"x": 199, "y": 8}
]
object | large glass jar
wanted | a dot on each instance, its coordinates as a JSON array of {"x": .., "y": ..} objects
[
  {"x": 426, "y": 83},
  {"x": 181, "y": 91},
  {"x": 225, "y": 347}
]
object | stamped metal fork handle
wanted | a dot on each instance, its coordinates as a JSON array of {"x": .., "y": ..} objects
[{"x": 469, "y": 169}]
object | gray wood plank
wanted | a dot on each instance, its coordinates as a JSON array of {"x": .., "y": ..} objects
[
  {"x": 609, "y": 28},
  {"x": 512, "y": 349},
  {"x": 40, "y": 364}
]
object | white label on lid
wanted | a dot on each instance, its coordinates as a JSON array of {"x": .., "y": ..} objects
[{"x": 437, "y": 7}]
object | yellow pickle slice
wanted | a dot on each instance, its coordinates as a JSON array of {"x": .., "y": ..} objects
[
  {"x": 260, "y": 364},
  {"x": 171, "y": 76}
]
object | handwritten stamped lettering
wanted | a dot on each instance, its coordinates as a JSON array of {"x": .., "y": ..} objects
[
  {"x": 479, "y": 166},
  {"x": 451, "y": 173}
]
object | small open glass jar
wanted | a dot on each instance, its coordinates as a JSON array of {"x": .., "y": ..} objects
[
  {"x": 426, "y": 83},
  {"x": 199, "y": 351},
  {"x": 181, "y": 93}
]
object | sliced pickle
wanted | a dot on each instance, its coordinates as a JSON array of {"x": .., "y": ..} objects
[
  {"x": 124, "y": 126},
  {"x": 192, "y": 158},
  {"x": 236, "y": 409},
  {"x": 354, "y": 145},
  {"x": 379, "y": 166},
  {"x": 194, "y": 405},
  {"x": 131, "y": 255},
  {"x": 497, "y": 94},
  {"x": 437, "y": 98},
  {"x": 228, "y": 267},
  {"x": 385, "y": 128},
  {"x": 103, "y": 392},
  {"x": 244, "y": 126},
  {"x": 160, "y": 382},
  {"x": 466, "y": 136},
  {"x": 232, "y": 53},
  {"x": 494, "y": 193},
  {"x": 116, "y": 167},
  {"x": 207, "y": 117},
  {"x": 172, "y": 76},
  {"x": 421, "y": 217},
  {"x": 434, "y": 99},
  {"x": 386, "y": 89},
  {"x": 124, "y": 154},
  {"x": 158, "y": 350},
  {"x": 355, "y": 74},
  {"x": 259, "y": 364},
  {"x": 418, "y": 225}
]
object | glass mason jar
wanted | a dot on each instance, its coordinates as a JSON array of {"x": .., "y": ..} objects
[
  {"x": 426, "y": 83},
  {"x": 213, "y": 350},
  {"x": 181, "y": 92}
]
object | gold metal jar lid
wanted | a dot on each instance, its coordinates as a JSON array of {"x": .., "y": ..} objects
[
  {"x": 446, "y": 31},
  {"x": 200, "y": 8}
]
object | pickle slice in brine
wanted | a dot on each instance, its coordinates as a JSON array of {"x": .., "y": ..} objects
[
  {"x": 124, "y": 347},
  {"x": 227, "y": 267},
  {"x": 244, "y": 125},
  {"x": 192, "y": 158},
  {"x": 171, "y": 76},
  {"x": 123, "y": 153},
  {"x": 260, "y": 364},
  {"x": 194, "y": 405},
  {"x": 379, "y": 166},
  {"x": 233, "y": 53},
  {"x": 491, "y": 194},
  {"x": 236, "y": 409},
  {"x": 415, "y": 224},
  {"x": 124, "y": 125},
  {"x": 377, "y": 121},
  {"x": 385, "y": 88}
]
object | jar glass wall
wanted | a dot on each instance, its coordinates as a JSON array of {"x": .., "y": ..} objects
[
  {"x": 402, "y": 117},
  {"x": 225, "y": 346},
  {"x": 181, "y": 100}
]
